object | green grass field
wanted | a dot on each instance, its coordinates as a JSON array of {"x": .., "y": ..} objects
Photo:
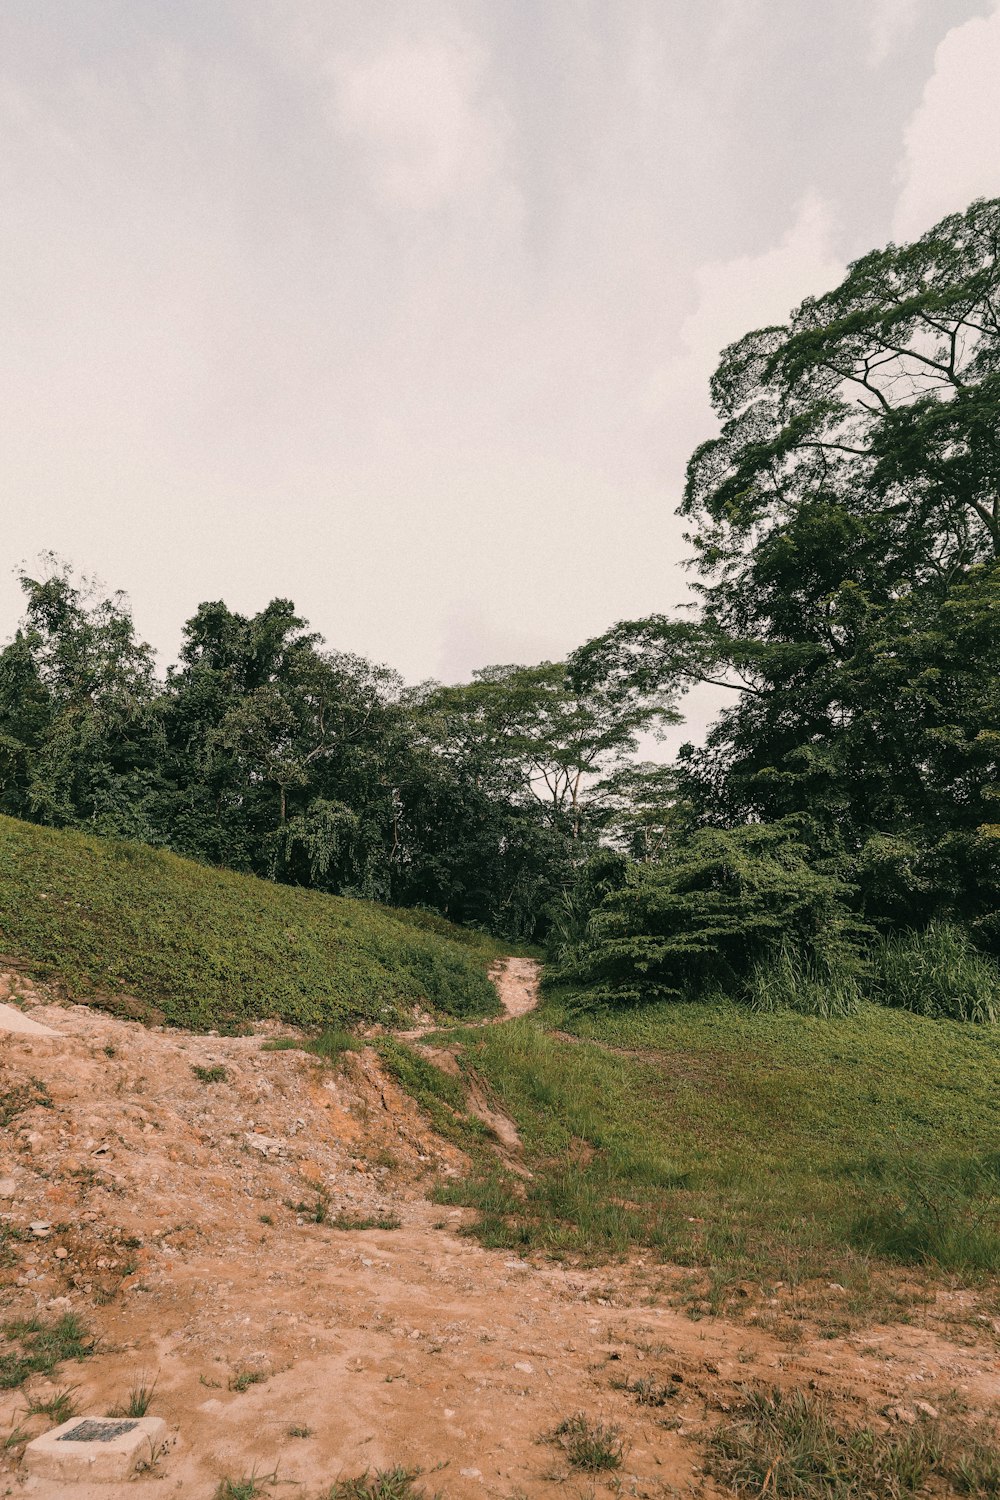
[
  {"x": 212, "y": 950},
  {"x": 770, "y": 1145}
]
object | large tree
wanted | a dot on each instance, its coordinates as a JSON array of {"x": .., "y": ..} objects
[{"x": 846, "y": 526}]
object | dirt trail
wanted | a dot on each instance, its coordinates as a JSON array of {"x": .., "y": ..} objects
[
  {"x": 516, "y": 980},
  {"x": 183, "y": 1229}
]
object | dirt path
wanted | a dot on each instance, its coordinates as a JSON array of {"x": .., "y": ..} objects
[
  {"x": 190, "y": 1220},
  {"x": 517, "y": 981}
]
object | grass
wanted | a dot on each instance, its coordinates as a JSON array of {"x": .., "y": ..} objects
[
  {"x": 761, "y": 1145},
  {"x": 216, "y": 1074},
  {"x": 35, "y": 1347},
  {"x": 593, "y": 1447},
  {"x": 140, "y": 1398},
  {"x": 249, "y": 1487},
  {"x": 21, "y": 1096},
  {"x": 440, "y": 1095},
  {"x": 359, "y": 1221},
  {"x": 383, "y": 1484},
  {"x": 789, "y": 1444},
  {"x": 332, "y": 1044},
  {"x": 938, "y": 972},
  {"x": 150, "y": 934}
]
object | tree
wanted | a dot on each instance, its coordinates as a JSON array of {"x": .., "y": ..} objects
[
  {"x": 78, "y": 703},
  {"x": 846, "y": 525}
]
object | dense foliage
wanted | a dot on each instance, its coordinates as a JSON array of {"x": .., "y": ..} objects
[
  {"x": 846, "y": 525},
  {"x": 264, "y": 752}
]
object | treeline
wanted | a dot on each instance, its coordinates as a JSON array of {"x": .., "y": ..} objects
[
  {"x": 263, "y": 751},
  {"x": 838, "y": 833}
]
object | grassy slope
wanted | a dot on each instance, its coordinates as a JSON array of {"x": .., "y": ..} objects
[
  {"x": 214, "y": 950},
  {"x": 779, "y": 1145}
]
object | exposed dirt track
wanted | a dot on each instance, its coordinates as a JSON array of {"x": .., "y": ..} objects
[{"x": 174, "y": 1202}]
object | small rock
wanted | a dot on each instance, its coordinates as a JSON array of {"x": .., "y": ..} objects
[
  {"x": 901, "y": 1414},
  {"x": 61, "y": 1252},
  {"x": 267, "y": 1145},
  {"x": 41, "y": 1228},
  {"x": 471, "y": 1473},
  {"x": 524, "y": 1367},
  {"x": 8, "y": 1187},
  {"x": 926, "y": 1409}
]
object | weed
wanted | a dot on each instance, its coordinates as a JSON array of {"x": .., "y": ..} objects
[
  {"x": 647, "y": 1392},
  {"x": 58, "y": 1408},
  {"x": 247, "y": 1488},
  {"x": 244, "y": 1379},
  {"x": 39, "y": 1347},
  {"x": 789, "y": 1442},
  {"x": 214, "y": 1074},
  {"x": 16, "y": 1437},
  {"x": 266, "y": 1219},
  {"x": 300, "y": 1432},
  {"x": 383, "y": 1484},
  {"x": 110, "y": 1050},
  {"x": 356, "y": 1221},
  {"x": 22, "y": 1096},
  {"x": 139, "y": 1398},
  {"x": 317, "y": 1212},
  {"x": 591, "y": 1446}
]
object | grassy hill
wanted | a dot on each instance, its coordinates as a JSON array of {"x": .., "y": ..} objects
[
  {"x": 774, "y": 1145},
  {"x": 212, "y": 950}
]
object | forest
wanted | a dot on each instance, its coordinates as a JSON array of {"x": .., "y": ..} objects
[{"x": 837, "y": 835}]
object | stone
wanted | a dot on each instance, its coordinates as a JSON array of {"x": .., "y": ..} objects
[
  {"x": 267, "y": 1145},
  {"x": 524, "y": 1367},
  {"x": 14, "y": 1020},
  {"x": 8, "y": 1187},
  {"x": 926, "y": 1409},
  {"x": 94, "y": 1448}
]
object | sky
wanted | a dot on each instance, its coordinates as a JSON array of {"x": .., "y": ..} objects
[{"x": 406, "y": 311}]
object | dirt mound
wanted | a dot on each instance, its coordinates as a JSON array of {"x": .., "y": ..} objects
[{"x": 197, "y": 1202}]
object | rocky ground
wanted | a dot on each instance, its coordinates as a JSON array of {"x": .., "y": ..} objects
[{"x": 184, "y": 1195}]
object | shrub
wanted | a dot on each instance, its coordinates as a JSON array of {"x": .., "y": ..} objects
[{"x": 727, "y": 903}]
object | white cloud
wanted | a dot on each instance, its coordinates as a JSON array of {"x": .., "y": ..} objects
[
  {"x": 420, "y": 109},
  {"x": 749, "y": 291},
  {"x": 889, "y": 23},
  {"x": 952, "y": 143}
]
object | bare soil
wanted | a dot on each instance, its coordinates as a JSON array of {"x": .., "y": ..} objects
[{"x": 175, "y": 1231}]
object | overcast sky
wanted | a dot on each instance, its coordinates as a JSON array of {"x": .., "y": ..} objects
[{"x": 407, "y": 310}]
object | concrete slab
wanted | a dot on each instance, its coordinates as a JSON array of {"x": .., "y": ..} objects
[
  {"x": 12, "y": 1019},
  {"x": 89, "y": 1448}
]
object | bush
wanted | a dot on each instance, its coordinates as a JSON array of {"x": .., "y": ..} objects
[
  {"x": 937, "y": 972},
  {"x": 724, "y": 910}
]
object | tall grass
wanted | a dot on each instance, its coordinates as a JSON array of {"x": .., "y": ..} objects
[
  {"x": 937, "y": 972},
  {"x": 791, "y": 980}
]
